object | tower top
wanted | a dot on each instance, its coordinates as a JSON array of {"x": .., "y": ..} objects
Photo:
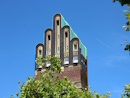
[
  {"x": 62, "y": 42},
  {"x": 73, "y": 35}
]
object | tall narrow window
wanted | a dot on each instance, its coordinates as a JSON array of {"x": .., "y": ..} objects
[
  {"x": 57, "y": 22},
  {"x": 66, "y": 40},
  {"x": 85, "y": 62},
  {"x": 39, "y": 53},
  {"x": 66, "y": 35},
  {"x": 48, "y": 43},
  {"x": 48, "y": 37},
  {"x": 75, "y": 47}
]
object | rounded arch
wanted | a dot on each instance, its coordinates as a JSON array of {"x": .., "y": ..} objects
[
  {"x": 75, "y": 43},
  {"x": 39, "y": 50},
  {"x": 48, "y": 40}
]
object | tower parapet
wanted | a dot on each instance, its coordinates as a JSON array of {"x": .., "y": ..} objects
[{"x": 63, "y": 43}]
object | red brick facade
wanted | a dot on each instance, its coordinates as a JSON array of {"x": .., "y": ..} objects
[{"x": 75, "y": 74}]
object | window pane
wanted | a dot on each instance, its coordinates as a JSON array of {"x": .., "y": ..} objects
[
  {"x": 75, "y": 59},
  {"x": 66, "y": 60}
]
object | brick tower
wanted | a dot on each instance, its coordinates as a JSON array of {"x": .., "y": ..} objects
[{"x": 62, "y": 42}]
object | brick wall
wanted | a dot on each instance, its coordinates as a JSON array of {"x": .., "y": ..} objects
[{"x": 75, "y": 74}]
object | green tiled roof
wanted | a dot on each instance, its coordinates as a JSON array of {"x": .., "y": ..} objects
[{"x": 73, "y": 35}]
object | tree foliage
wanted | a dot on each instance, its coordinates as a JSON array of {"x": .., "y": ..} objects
[
  {"x": 126, "y": 94},
  {"x": 127, "y": 15},
  {"x": 55, "y": 63},
  {"x": 127, "y": 47},
  {"x": 50, "y": 87},
  {"x": 123, "y": 2}
]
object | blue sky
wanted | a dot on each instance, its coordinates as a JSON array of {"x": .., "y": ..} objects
[{"x": 97, "y": 23}]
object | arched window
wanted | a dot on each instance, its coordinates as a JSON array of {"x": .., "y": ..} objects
[
  {"x": 66, "y": 40},
  {"x": 48, "y": 43},
  {"x": 40, "y": 51},
  {"x": 75, "y": 46},
  {"x": 75, "y": 51},
  {"x": 57, "y": 34}
]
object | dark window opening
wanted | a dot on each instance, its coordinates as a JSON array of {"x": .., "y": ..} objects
[
  {"x": 66, "y": 35},
  {"x": 57, "y": 22},
  {"x": 40, "y": 52},
  {"x": 75, "y": 47},
  {"x": 85, "y": 63},
  {"x": 48, "y": 37}
]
